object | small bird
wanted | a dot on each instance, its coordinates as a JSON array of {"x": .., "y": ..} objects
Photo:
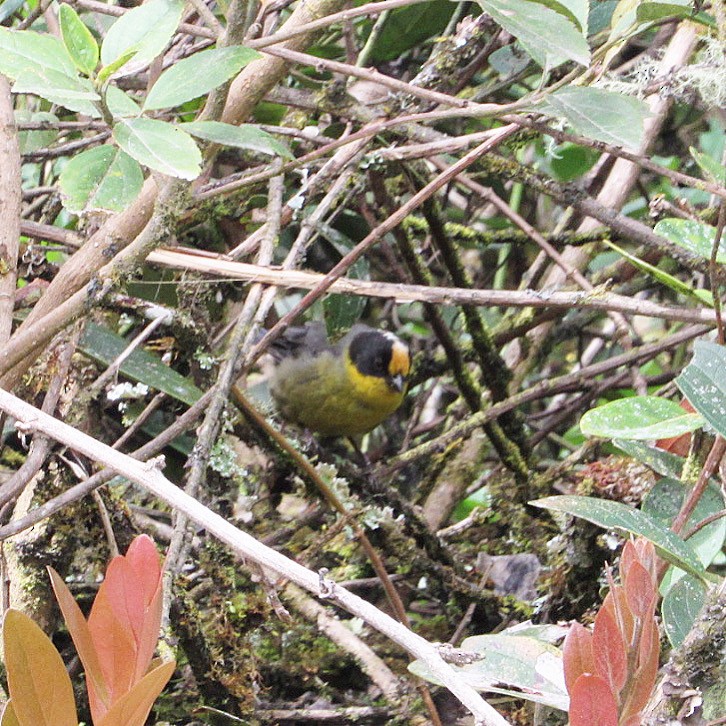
[{"x": 343, "y": 389}]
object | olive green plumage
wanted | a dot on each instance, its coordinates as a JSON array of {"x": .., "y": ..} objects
[{"x": 344, "y": 389}]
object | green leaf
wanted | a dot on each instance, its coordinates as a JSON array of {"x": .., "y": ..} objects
[
  {"x": 104, "y": 346},
  {"x": 653, "y": 11},
  {"x": 680, "y": 608},
  {"x": 34, "y": 140},
  {"x": 409, "y": 26},
  {"x": 703, "y": 383},
  {"x": 661, "y": 462},
  {"x": 532, "y": 667},
  {"x": 78, "y": 40},
  {"x": 665, "y": 500},
  {"x": 599, "y": 114},
  {"x": 107, "y": 71},
  {"x": 9, "y": 7},
  {"x": 549, "y": 37},
  {"x": 198, "y": 75},
  {"x": 575, "y": 11},
  {"x": 639, "y": 417},
  {"x": 146, "y": 29},
  {"x": 616, "y": 515},
  {"x": 160, "y": 146},
  {"x": 245, "y": 136},
  {"x": 121, "y": 104},
  {"x": 713, "y": 169},
  {"x": 102, "y": 178},
  {"x": 693, "y": 236},
  {"x": 75, "y": 94},
  {"x": 21, "y": 51},
  {"x": 702, "y": 296}
]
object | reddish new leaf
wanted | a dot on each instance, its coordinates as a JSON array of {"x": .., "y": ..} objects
[
  {"x": 39, "y": 685},
  {"x": 124, "y": 621},
  {"x": 681, "y": 444},
  {"x": 592, "y": 702},
  {"x": 627, "y": 557},
  {"x": 616, "y": 604},
  {"x": 608, "y": 649},
  {"x": 78, "y": 628},
  {"x": 144, "y": 560},
  {"x": 643, "y": 680},
  {"x": 133, "y": 589},
  {"x": 577, "y": 654},
  {"x": 639, "y": 590},
  {"x": 647, "y": 557},
  {"x": 133, "y": 708},
  {"x": 116, "y": 649}
]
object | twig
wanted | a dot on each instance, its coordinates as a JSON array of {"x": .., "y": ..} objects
[
  {"x": 10, "y": 194},
  {"x": 149, "y": 477}
]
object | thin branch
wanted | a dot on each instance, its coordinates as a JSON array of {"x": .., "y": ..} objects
[
  {"x": 149, "y": 477},
  {"x": 10, "y": 205}
]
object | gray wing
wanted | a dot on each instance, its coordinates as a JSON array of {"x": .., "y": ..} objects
[{"x": 310, "y": 338}]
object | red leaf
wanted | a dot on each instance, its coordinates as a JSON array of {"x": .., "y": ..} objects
[
  {"x": 125, "y": 619},
  {"x": 78, "y": 628},
  {"x": 39, "y": 685},
  {"x": 646, "y": 672},
  {"x": 616, "y": 604},
  {"x": 133, "y": 708},
  {"x": 608, "y": 648},
  {"x": 647, "y": 557},
  {"x": 639, "y": 590},
  {"x": 116, "y": 650},
  {"x": 681, "y": 444},
  {"x": 592, "y": 703},
  {"x": 577, "y": 654},
  {"x": 627, "y": 557},
  {"x": 144, "y": 561}
]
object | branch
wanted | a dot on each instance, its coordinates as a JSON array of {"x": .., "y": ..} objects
[{"x": 149, "y": 477}]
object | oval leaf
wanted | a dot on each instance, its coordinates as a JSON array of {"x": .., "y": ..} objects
[
  {"x": 197, "y": 75},
  {"x": 146, "y": 29},
  {"x": 245, "y": 136},
  {"x": 78, "y": 40},
  {"x": 693, "y": 236},
  {"x": 531, "y": 666},
  {"x": 74, "y": 93},
  {"x": 681, "y": 606},
  {"x": 665, "y": 500},
  {"x": 160, "y": 146},
  {"x": 599, "y": 114},
  {"x": 704, "y": 384},
  {"x": 592, "y": 702},
  {"x": 104, "y": 178},
  {"x": 639, "y": 417},
  {"x": 549, "y": 37},
  {"x": 21, "y": 51},
  {"x": 39, "y": 685},
  {"x": 616, "y": 515}
]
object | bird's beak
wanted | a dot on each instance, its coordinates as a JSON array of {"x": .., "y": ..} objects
[{"x": 397, "y": 382}]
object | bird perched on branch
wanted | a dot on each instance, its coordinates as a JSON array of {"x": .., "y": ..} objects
[{"x": 341, "y": 389}]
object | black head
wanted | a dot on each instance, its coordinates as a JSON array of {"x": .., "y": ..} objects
[{"x": 381, "y": 354}]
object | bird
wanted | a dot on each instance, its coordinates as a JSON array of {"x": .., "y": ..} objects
[{"x": 341, "y": 389}]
